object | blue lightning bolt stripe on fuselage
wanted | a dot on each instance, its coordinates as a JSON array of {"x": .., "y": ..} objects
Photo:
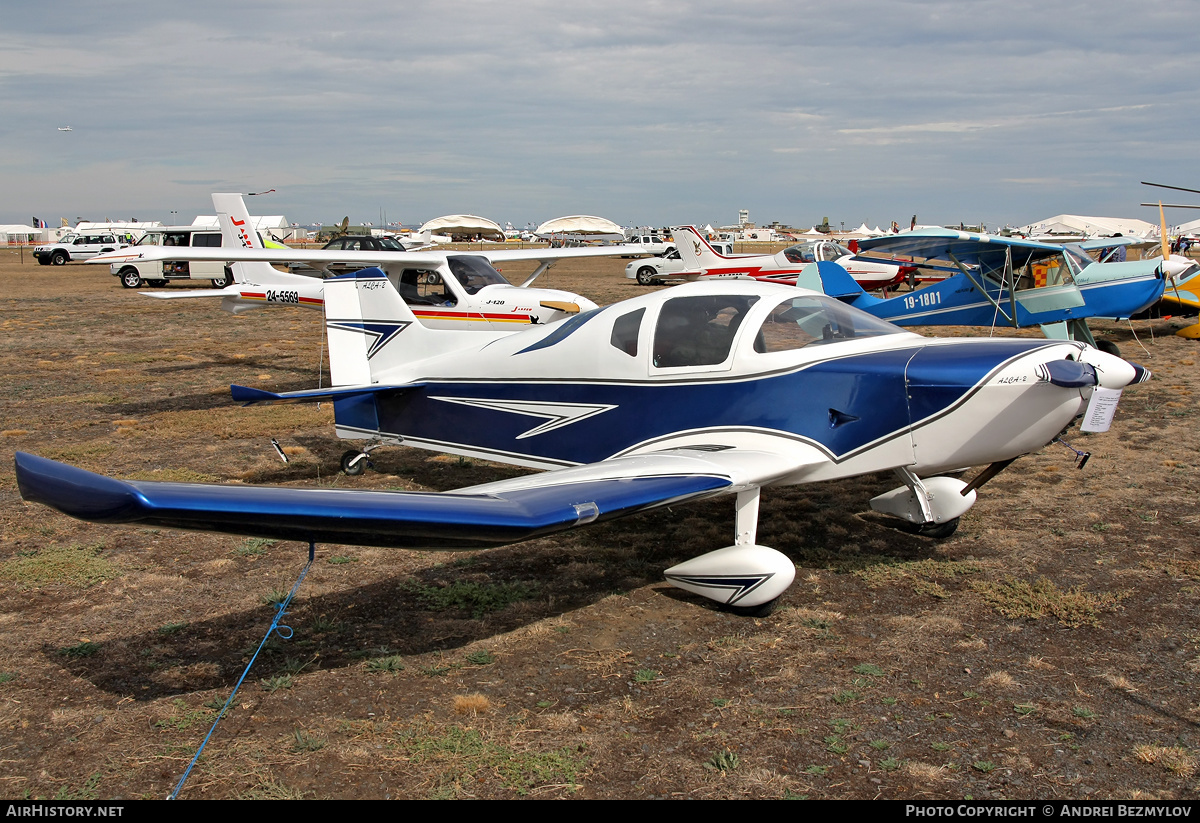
[{"x": 841, "y": 405}]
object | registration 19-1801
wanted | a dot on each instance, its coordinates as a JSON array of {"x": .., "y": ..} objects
[{"x": 923, "y": 299}]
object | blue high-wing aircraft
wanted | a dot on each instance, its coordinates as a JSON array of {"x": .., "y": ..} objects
[
  {"x": 719, "y": 388},
  {"x": 1002, "y": 281}
]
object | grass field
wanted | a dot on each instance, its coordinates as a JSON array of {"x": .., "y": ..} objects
[{"x": 1049, "y": 649}]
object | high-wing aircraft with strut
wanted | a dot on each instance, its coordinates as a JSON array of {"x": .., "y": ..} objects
[
  {"x": 444, "y": 289},
  {"x": 1002, "y": 281},
  {"x": 707, "y": 389}
]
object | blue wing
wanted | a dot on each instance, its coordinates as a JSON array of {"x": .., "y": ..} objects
[
  {"x": 969, "y": 248},
  {"x": 477, "y": 517}
]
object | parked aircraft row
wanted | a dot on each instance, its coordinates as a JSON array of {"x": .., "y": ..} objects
[{"x": 718, "y": 388}]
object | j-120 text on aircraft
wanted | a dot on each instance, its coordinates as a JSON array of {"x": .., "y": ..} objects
[
  {"x": 717, "y": 388},
  {"x": 444, "y": 289}
]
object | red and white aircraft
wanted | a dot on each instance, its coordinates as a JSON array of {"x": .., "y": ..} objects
[{"x": 703, "y": 262}]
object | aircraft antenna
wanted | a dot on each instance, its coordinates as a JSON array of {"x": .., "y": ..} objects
[{"x": 1165, "y": 186}]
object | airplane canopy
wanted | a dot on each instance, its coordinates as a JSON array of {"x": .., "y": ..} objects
[
  {"x": 463, "y": 224},
  {"x": 579, "y": 224}
]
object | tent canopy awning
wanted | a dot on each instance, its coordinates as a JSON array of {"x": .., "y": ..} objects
[
  {"x": 578, "y": 224},
  {"x": 463, "y": 224}
]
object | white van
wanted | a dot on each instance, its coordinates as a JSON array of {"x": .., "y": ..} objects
[{"x": 137, "y": 273}]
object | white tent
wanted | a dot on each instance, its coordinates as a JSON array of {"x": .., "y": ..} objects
[
  {"x": 117, "y": 225},
  {"x": 578, "y": 224},
  {"x": 15, "y": 230},
  {"x": 469, "y": 224},
  {"x": 1078, "y": 225}
]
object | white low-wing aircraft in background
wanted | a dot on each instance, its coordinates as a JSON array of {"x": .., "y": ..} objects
[
  {"x": 444, "y": 289},
  {"x": 715, "y": 388},
  {"x": 702, "y": 262}
]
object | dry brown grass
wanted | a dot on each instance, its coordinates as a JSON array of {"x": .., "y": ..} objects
[
  {"x": 473, "y": 704},
  {"x": 568, "y": 715}
]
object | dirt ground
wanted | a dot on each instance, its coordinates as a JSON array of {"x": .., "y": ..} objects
[{"x": 1049, "y": 649}]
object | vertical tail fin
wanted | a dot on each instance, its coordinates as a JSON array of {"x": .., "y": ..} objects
[
  {"x": 694, "y": 250},
  {"x": 833, "y": 279},
  {"x": 238, "y": 232},
  {"x": 372, "y": 331}
]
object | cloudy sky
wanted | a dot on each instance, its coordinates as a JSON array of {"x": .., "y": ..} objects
[{"x": 1001, "y": 111}]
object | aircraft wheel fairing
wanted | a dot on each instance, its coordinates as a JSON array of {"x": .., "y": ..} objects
[
  {"x": 744, "y": 577},
  {"x": 934, "y": 503},
  {"x": 354, "y": 463},
  {"x": 131, "y": 278}
]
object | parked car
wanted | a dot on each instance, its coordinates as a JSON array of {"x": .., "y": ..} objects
[
  {"x": 650, "y": 244},
  {"x": 349, "y": 242},
  {"x": 79, "y": 247},
  {"x": 652, "y": 271},
  {"x": 137, "y": 273}
]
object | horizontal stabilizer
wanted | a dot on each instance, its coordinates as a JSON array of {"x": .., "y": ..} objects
[
  {"x": 250, "y": 396},
  {"x": 461, "y": 520},
  {"x": 175, "y": 295}
]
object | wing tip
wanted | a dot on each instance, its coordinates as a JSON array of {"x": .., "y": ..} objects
[{"x": 72, "y": 490}]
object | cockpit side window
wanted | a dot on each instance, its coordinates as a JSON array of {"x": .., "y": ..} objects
[
  {"x": 1046, "y": 271},
  {"x": 625, "y": 332},
  {"x": 806, "y": 321},
  {"x": 418, "y": 287},
  {"x": 698, "y": 331},
  {"x": 474, "y": 272}
]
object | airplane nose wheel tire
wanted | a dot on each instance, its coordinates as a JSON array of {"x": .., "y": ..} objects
[
  {"x": 938, "y": 531},
  {"x": 761, "y": 610},
  {"x": 354, "y": 463}
]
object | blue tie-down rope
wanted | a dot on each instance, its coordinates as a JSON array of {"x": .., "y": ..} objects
[{"x": 280, "y": 611}]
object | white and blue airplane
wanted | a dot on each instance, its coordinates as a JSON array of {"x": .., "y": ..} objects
[{"x": 706, "y": 389}]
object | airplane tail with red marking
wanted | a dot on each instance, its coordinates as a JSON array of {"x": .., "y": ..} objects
[
  {"x": 237, "y": 231},
  {"x": 694, "y": 250},
  {"x": 258, "y": 284}
]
